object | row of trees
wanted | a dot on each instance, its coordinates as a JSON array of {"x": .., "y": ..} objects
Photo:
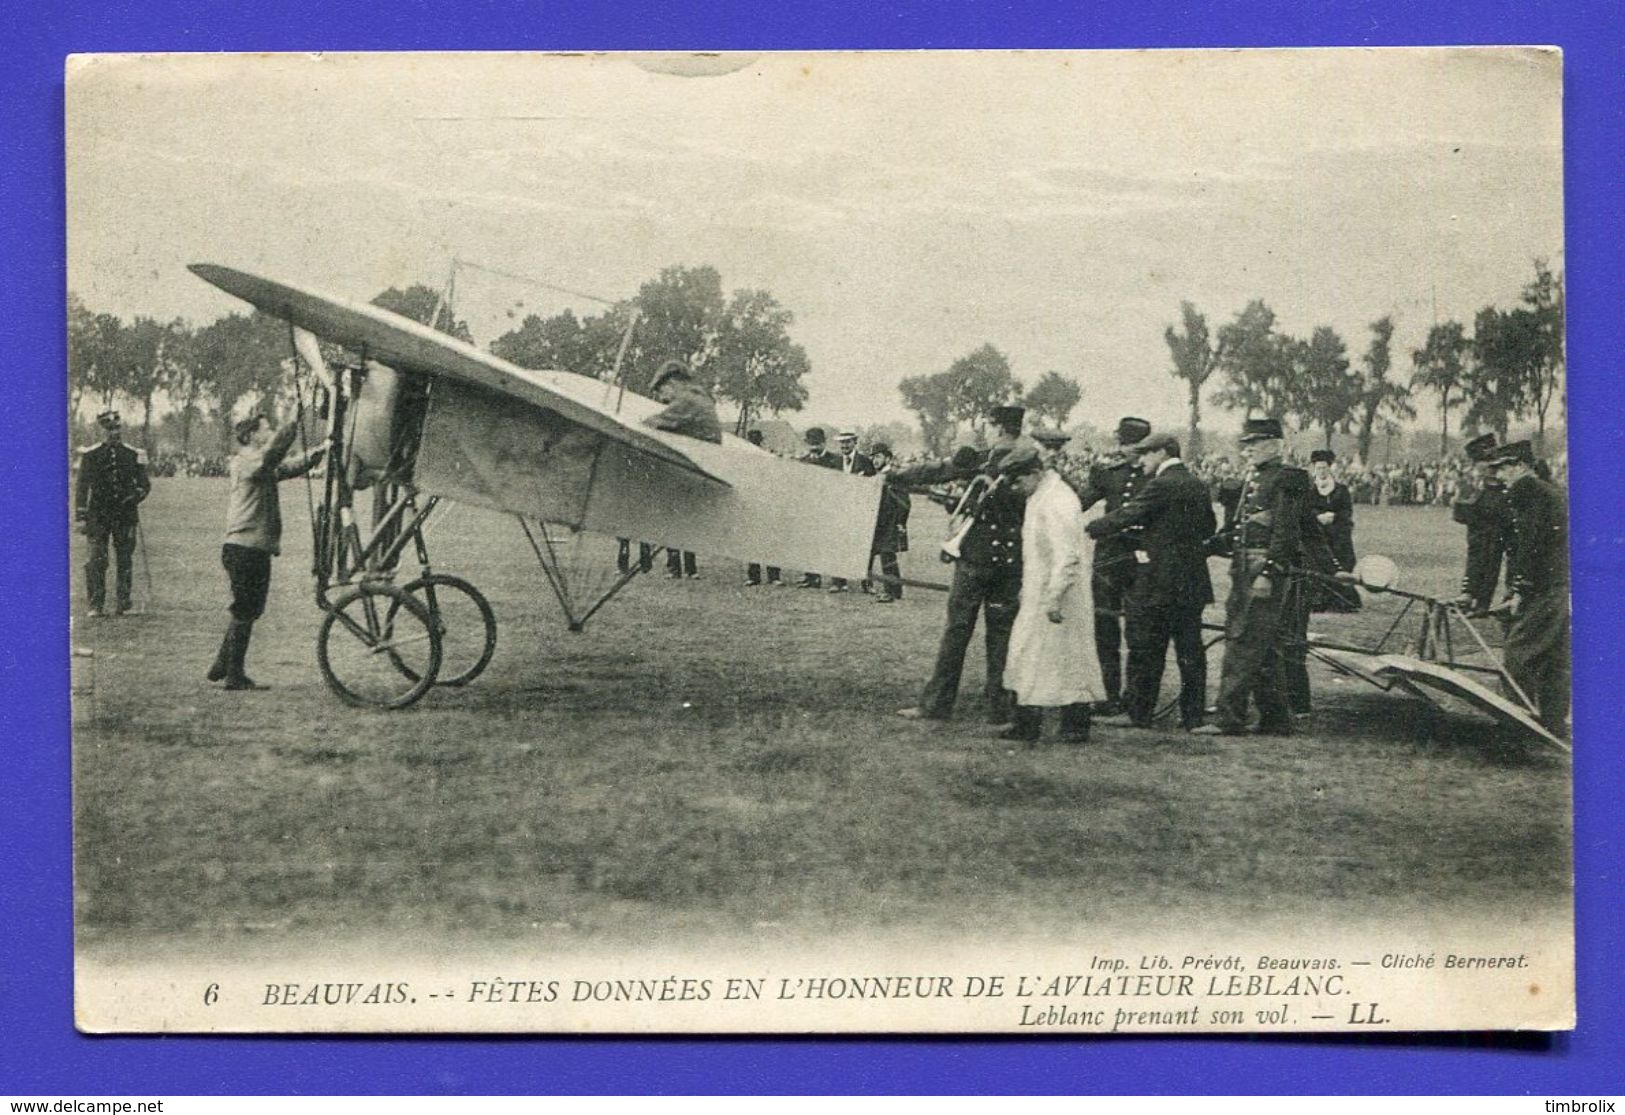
[
  {"x": 1511, "y": 367},
  {"x": 974, "y": 384},
  {"x": 740, "y": 345}
]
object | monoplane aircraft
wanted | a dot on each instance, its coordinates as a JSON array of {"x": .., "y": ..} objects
[{"x": 418, "y": 416}]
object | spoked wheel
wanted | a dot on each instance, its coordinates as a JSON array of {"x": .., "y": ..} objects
[
  {"x": 467, "y": 627},
  {"x": 378, "y": 647}
]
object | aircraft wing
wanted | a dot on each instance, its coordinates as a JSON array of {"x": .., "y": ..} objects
[
  {"x": 1431, "y": 680},
  {"x": 406, "y": 345}
]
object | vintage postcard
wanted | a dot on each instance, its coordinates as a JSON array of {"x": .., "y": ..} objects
[{"x": 1059, "y": 542}]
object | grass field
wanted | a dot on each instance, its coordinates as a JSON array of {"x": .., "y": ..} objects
[{"x": 709, "y": 759}]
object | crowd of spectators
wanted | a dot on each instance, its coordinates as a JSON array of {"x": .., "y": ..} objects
[{"x": 185, "y": 464}]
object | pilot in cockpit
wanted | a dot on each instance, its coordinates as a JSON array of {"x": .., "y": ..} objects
[{"x": 690, "y": 410}]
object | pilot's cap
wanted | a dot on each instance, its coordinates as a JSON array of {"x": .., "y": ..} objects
[
  {"x": 1132, "y": 430},
  {"x": 1022, "y": 460},
  {"x": 244, "y": 429},
  {"x": 110, "y": 420},
  {"x": 1261, "y": 429},
  {"x": 1481, "y": 448},
  {"x": 671, "y": 369},
  {"x": 1152, "y": 443}
]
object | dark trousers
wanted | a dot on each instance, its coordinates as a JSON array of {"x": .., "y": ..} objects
[
  {"x": 249, "y": 571},
  {"x": 1150, "y": 629},
  {"x": 1253, "y": 664},
  {"x": 1111, "y": 584},
  {"x": 623, "y": 555},
  {"x": 753, "y": 574},
  {"x": 889, "y": 569},
  {"x": 1297, "y": 606},
  {"x": 122, "y": 537},
  {"x": 975, "y": 588},
  {"x": 679, "y": 562},
  {"x": 1537, "y": 655}
]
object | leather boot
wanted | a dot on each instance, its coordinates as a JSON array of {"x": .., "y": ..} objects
[
  {"x": 1075, "y": 724},
  {"x": 1028, "y": 726},
  {"x": 227, "y": 653},
  {"x": 235, "y": 677}
]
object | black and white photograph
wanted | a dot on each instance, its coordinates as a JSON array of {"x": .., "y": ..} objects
[{"x": 967, "y": 541}]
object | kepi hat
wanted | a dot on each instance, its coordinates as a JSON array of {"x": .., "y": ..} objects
[
  {"x": 1481, "y": 448},
  {"x": 1007, "y": 415},
  {"x": 1261, "y": 429},
  {"x": 1516, "y": 452}
]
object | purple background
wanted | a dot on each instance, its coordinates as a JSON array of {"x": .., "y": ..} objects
[{"x": 41, "y": 1054}]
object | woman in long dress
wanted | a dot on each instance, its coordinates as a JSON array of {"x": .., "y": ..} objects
[{"x": 1052, "y": 662}]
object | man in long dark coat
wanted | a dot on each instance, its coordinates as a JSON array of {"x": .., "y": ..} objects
[{"x": 1171, "y": 585}]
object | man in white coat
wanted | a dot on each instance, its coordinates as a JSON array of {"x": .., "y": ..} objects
[{"x": 1052, "y": 661}]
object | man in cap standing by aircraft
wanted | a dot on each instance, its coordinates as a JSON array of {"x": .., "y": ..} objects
[
  {"x": 1265, "y": 538},
  {"x": 1113, "y": 481},
  {"x": 254, "y": 533},
  {"x": 1487, "y": 515},
  {"x": 112, "y": 483},
  {"x": 1537, "y": 646},
  {"x": 1171, "y": 586},
  {"x": 987, "y": 573},
  {"x": 817, "y": 453}
]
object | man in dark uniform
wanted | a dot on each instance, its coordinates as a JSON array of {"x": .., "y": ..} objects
[
  {"x": 1171, "y": 586},
  {"x": 891, "y": 526},
  {"x": 1537, "y": 646},
  {"x": 112, "y": 483},
  {"x": 987, "y": 575},
  {"x": 1265, "y": 539},
  {"x": 817, "y": 453},
  {"x": 1487, "y": 515},
  {"x": 1113, "y": 480}
]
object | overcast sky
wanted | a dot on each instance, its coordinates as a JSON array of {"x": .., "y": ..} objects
[{"x": 906, "y": 208}]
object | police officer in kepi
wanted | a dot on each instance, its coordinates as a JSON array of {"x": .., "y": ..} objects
[
  {"x": 987, "y": 574},
  {"x": 1486, "y": 512},
  {"x": 112, "y": 483},
  {"x": 1113, "y": 480},
  {"x": 1266, "y": 540}
]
